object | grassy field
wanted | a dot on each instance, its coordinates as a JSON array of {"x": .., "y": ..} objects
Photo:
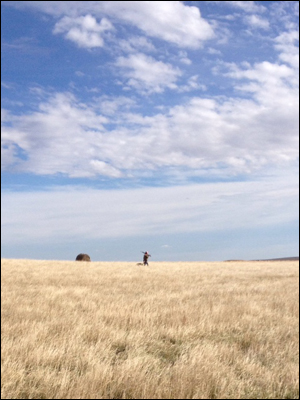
[{"x": 185, "y": 330}]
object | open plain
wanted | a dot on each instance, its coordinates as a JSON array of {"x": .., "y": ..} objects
[{"x": 170, "y": 330}]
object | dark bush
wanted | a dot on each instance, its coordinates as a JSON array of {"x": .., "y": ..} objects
[{"x": 83, "y": 257}]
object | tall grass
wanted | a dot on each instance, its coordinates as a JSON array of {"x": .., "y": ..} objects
[{"x": 78, "y": 330}]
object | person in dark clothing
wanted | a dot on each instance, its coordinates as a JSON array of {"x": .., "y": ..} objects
[{"x": 145, "y": 258}]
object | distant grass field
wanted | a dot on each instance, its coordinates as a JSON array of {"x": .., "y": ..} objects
[{"x": 186, "y": 330}]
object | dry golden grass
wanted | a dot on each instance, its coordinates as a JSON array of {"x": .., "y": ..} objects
[{"x": 100, "y": 330}]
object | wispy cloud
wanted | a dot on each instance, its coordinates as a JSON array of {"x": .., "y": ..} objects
[
  {"x": 247, "y": 6},
  {"x": 74, "y": 212},
  {"x": 256, "y": 21}
]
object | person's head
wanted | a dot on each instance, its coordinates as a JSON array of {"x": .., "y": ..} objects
[{"x": 146, "y": 252}]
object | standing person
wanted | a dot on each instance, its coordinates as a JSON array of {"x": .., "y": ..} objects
[{"x": 145, "y": 258}]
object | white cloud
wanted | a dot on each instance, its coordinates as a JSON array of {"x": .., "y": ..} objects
[
  {"x": 192, "y": 84},
  {"x": 222, "y": 136},
  {"x": 113, "y": 106},
  {"x": 214, "y": 51},
  {"x": 172, "y": 21},
  {"x": 4, "y": 116},
  {"x": 286, "y": 44},
  {"x": 72, "y": 213},
  {"x": 6, "y": 85},
  {"x": 225, "y": 136},
  {"x": 133, "y": 44},
  {"x": 55, "y": 138},
  {"x": 256, "y": 127},
  {"x": 84, "y": 31},
  {"x": 146, "y": 74},
  {"x": 247, "y": 6},
  {"x": 256, "y": 21},
  {"x": 183, "y": 57},
  {"x": 104, "y": 169}
]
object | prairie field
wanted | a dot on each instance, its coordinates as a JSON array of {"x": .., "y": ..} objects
[{"x": 170, "y": 330}]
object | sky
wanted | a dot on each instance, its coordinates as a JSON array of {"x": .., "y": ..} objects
[{"x": 165, "y": 126}]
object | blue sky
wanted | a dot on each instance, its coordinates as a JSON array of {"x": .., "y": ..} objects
[{"x": 165, "y": 126}]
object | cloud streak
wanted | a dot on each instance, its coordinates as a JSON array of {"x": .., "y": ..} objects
[{"x": 74, "y": 212}]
